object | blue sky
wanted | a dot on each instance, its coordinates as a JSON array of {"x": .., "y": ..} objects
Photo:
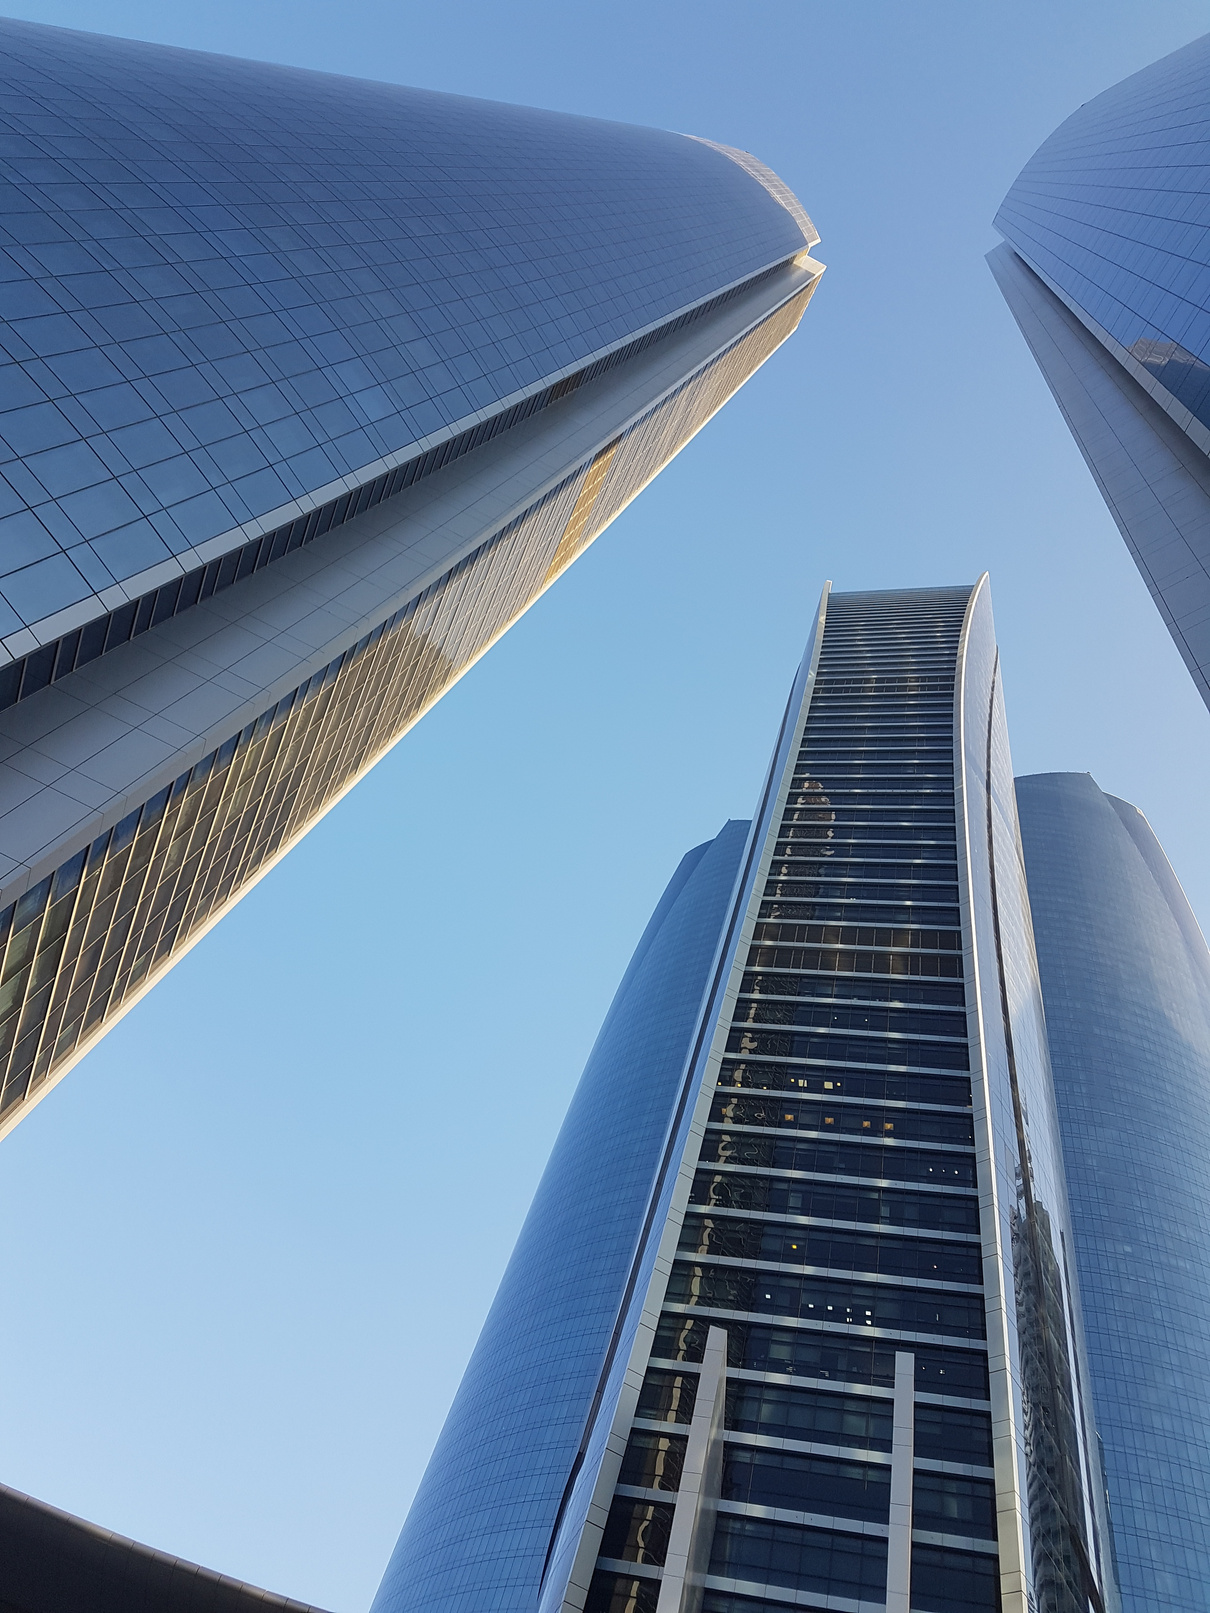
[{"x": 252, "y": 1237}]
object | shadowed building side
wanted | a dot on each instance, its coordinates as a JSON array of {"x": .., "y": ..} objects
[{"x": 51, "y": 1562}]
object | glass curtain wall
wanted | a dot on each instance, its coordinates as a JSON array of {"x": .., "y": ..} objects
[{"x": 833, "y": 1220}]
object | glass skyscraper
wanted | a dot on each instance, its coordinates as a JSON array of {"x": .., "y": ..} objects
[
  {"x": 792, "y": 1321},
  {"x": 308, "y": 388},
  {"x": 1106, "y": 267},
  {"x": 1126, "y": 982}
]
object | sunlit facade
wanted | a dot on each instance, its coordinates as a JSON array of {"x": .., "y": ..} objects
[
  {"x": 791, "y": 1321},
  {"x": 308, "y": 388}
]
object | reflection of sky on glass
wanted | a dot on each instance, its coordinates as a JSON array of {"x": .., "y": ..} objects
[
  {"x": 1126, "y": 980},
  {"x": 223, "y": 285},
  {"x": 1115, "y": 209}
]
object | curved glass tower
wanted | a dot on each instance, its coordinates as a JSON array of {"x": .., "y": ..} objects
[
  {"x": 791, "y": 1321},
  {"x": 1126, "y": 981},
  {"x": 308, "y": 388},
  {"x": 1106, "y": 267}
]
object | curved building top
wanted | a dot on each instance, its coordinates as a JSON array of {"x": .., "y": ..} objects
[
  {"x": 1113, "y": 211},
  {"x": 232, "y": 291}
]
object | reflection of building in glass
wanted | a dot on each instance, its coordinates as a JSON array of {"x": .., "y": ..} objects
[
  {"x": 1126, "y": 982},
  {"x": 309, "y": 387},
  {"x": 1106, "y": 267},
  {"x": 791, "y": 1321}
]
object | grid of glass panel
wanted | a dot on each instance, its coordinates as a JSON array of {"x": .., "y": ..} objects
[
  {"x": 1114, "y": 209},
  {"x": 225, "y": 285},
  {"x": 1126, "y": 979},
  {"x": 87, "y": 939},
  {"x": 58, "y": 658},
  {"x": 834, "y": 1218}
]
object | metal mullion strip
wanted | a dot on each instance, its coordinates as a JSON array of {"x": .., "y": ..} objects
[{"x": 144, "y": 899}]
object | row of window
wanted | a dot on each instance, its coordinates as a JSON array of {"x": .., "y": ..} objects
[
  {"x": 836, "y": 1301},
  {"x": 827, "y": 1249},
  {"x": 742, "y": 1189},
  {"x": 905, "y": 938},
  {"x": 899, "y": 1086},
  {"x": 852, "y": 1016},
  {"x": 838, "y": 962},
  {"x": 902, "y": 1125},
  {"x": 895, "y": 1050},
  {"x": 808, "y": 1352},
  {"x": 826, "y": 983}
]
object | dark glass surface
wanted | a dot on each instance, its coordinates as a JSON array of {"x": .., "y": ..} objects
[
  {"x": 841, "y": 1251},
  {"x": 637, "y": 1531},
  {"x": 860, "y": 1421},
  {"x": 794, "y": 1482},
  {"x": 747, "y": 1190},
  {"x": 619, "y": 1593},
  {"x": 653, "y": 1461},
  {"x": 825, "y": 1299},
  {"x": 800, "y": 1559},
  {"x": 883, "y": 1163},
  {"x": 800, "y": 1353},
  {"x": 945, "y": 1505},
  {"x": 838, "y": 1114},
  {"x": 954, "y": 1581}
]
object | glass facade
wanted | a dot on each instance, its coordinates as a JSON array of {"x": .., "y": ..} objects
[
  {"x": 1126, "y": 980},
  {"x": 480, "y": 1526},
  {"x": 1106, "y": 268},
  {"x": 86, "y": 940},
  {"x": 1112, "y": 212},
  {"x": 308, "y": 388},
  {"x": 843, "y": 1369},
  {"x": 233, "y": 292}
]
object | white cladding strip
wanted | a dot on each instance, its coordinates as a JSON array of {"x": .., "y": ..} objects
[
  {"x": 903, "y": 1451},
  {"x": 996, "y": 1196},
  {"x": 688, "y": 1555}
]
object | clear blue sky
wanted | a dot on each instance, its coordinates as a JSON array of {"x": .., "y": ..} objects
[{"x": 251, "y": 1238}]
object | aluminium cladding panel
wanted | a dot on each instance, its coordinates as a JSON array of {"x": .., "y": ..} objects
[
  {"x": 477, "y": 1535},
  {"x": 1053, "y": 1531},
  {"x": 1155, "y": 481},
  {"x": 1126, "y": 982},
  {"x": 230, "y": 290},
  {"x": 1114, "y": 211},
  {"x": 156, "y": 833}
]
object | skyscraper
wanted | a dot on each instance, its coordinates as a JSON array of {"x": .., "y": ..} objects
[
  {"x": 1106, "y": 267},
  {"x": 308, "y": 388},
  {"x": 791, "y": 1321},
  {"x": 1126, "y": 982}
]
